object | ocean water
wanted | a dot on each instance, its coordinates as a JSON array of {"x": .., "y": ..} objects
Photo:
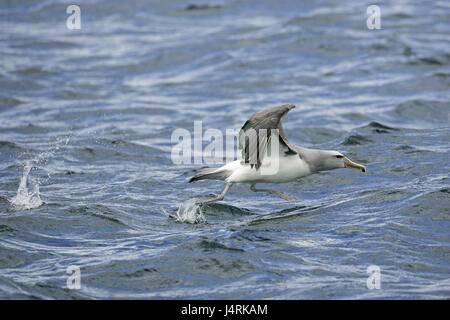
[{"x": 87, "y": 178}]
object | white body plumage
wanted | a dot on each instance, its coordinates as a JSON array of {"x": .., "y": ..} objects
[{"x": 289, "y": 168}]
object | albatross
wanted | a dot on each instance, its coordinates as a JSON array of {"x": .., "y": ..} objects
[{"x": 268, "y": 157}]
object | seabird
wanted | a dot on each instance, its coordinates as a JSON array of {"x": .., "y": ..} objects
[{"x": 264, "y": 144}]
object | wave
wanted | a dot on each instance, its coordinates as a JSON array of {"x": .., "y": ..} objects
[
  {"x": 377, "y": 127},
  {"x": 6, "y": 146},
  {"x": 197, "y": 7},
  {"x": 424, "y": 110},
  {"x": 356, "y": 139},
  {"x": 436, "y": 60}
]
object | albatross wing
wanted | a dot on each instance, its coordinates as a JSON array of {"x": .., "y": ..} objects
[{"x": 253, "y": 141}]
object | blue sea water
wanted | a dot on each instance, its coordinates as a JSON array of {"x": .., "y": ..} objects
[{"x": 87, "y": 178}]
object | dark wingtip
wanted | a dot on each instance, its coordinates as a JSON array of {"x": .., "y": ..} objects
[{"x": 192, "y": 179}]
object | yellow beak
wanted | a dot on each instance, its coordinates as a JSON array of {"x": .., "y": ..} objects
[{"x": 353, "y": 165}]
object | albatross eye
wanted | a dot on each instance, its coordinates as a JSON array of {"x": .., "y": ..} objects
[{"x": 339, "y": 156}]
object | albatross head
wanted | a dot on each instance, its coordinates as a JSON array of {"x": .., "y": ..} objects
[{"x": 328, "y": 160}]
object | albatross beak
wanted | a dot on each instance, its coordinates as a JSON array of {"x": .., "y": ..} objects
[{"x": 353, "y": 165}]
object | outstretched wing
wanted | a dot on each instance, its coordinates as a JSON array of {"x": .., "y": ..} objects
[{"x": 255, "y": 135}]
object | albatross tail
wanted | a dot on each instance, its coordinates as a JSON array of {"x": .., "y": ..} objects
[{"x": 211, "y": 174}]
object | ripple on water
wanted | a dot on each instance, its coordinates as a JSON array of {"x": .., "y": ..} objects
[
  {"x": 424, "y": 110},
  {"x": 10, "y": 147},
  {"x": 436, "y": 60},
  {"x": 377, "y": 127},
  {"x": 356, "y": 139}
]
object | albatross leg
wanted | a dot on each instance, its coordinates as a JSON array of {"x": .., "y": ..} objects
[
  {"x": 274, "y": 192},
  {"x": 218, "y": 198}
]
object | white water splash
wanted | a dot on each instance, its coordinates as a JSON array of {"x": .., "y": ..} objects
[
  {"x": 190, "y": 212},
  {"x": 26, "y": 199},
  {"x": 28, "y": 196}
]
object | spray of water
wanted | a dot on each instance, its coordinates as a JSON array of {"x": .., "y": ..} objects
[
  {"x": 27, "y": 196},
  {"x": 42, "y": 158},
  {"x": 190, "y": 212}
]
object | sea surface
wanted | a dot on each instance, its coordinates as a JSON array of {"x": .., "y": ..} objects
[{"x": 87, "y": 176}]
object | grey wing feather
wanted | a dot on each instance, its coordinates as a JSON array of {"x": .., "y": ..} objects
[{"x": 253, "y": 143}]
